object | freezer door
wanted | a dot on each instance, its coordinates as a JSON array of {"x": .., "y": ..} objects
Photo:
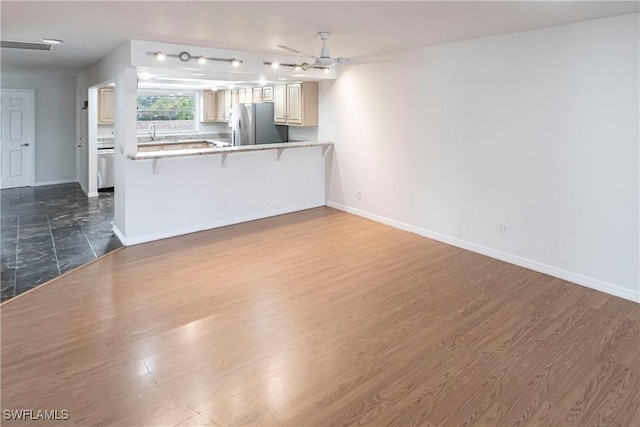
[{"x": 266, "y": 132}]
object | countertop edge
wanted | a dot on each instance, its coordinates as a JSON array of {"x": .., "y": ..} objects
[{"x": 226, "y": 150}]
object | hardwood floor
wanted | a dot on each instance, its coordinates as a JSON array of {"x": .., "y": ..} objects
[{"x": 318, "y": 318}]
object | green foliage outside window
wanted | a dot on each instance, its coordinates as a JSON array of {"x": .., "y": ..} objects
[{"x": 158, "y": 107}]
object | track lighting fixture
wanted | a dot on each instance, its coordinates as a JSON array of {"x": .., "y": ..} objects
[{"x": 186, "y": 56}]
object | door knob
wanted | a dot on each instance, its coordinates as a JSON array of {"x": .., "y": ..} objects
[{"x": 24, "y": 145}]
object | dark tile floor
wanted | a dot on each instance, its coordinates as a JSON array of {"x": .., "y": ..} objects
[{"x": 46, "y": 231}]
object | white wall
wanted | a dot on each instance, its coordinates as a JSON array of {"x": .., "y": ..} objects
[
  {"x": 115, "y": 67},
  {"x": 55, "y": 100},
  {"x": 538, "y": 130}
]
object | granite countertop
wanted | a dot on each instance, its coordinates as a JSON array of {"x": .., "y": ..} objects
[
  {"x": 108, "y": 142},
  {"x": 154, "y": 155}
]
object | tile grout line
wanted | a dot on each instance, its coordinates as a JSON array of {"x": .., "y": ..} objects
[
  {"x": 53, "y": 242},
  {"x": 88, "y": 241},
  {"x": 50, "y": 201}
]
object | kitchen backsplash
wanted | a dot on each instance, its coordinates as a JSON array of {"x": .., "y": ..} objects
[{"x": 303, "y": 133}]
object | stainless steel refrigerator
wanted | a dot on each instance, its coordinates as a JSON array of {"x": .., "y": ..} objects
[{"x": 253, "y": 124}]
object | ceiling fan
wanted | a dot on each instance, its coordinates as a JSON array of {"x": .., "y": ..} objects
[{"x": 323, "y": 61}]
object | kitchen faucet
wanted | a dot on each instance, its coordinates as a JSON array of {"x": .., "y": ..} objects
[{"x": 152, "y": 132}]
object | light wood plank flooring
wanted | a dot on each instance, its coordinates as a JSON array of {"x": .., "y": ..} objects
[{"x": 318, "y": 318}]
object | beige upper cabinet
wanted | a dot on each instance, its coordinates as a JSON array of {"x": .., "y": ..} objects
[
  {"x": 257, "y": 94},
  {"x": 208, "y": 110},
  {"x": 241, "y": 96},
  {"x": 296, "y": 104},
  {"x": 280, "y": 104},
  {"x": 267, "y": 94},
  {"x": 216, "y": 106},
  {"x": 223, "y": 104},
  {"x": 106, "y": 105}
]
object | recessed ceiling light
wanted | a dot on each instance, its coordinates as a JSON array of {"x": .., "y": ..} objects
[
  {"x": 235, "y": 62},
  {"x": 275, "y": 65},
  {"x": 52, "y": 41},
  {"x": 160, "y": 56},
  {"x": 202, "y": 60}
]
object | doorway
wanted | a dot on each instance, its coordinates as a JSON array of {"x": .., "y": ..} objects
[{"x": 17, "y": 150}]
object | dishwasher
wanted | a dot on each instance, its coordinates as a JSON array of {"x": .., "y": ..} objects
[{"x": 105, "y": 168}]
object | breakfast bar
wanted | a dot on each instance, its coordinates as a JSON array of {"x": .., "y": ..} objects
[{"x": 174, "y": 191}]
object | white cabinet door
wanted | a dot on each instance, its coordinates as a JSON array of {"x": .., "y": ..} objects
[
  {"x": 16, "y": 143},
  {"x": 294, "y": 98},
  {"x": 267, "y": 94},
  {"x": 280, "y": 104}
]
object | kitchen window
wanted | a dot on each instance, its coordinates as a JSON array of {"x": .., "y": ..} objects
[{"x": 168, "y": 112}]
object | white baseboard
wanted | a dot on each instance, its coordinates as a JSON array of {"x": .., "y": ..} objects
[
  {"x": 84, "y": 190},
  {"x": 118, "y": 234},
  {"x": 214, "y": 224},
  {"x": 59, "y": 181},
  {"x": 577, "y": 278}
]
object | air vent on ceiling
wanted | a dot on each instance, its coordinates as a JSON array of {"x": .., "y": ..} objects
[{"x": 25, "y": 45}]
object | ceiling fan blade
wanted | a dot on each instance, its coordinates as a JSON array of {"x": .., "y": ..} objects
[
  {"x": 290, "y": 49},
  {"x": 363, "y": 60}
]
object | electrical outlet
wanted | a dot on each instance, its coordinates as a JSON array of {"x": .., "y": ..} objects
[
  {"x": 359, "y": 195},
  {"x": 504, "y": 229},
  {"x": 226, "y": 202}
]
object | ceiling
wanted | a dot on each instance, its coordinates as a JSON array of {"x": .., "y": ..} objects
[{"x": 91, "y": 29}]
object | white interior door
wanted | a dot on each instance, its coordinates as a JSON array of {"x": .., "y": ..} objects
[{"x": 16, "y": 138}]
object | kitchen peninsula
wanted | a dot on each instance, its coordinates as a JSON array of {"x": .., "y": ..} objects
[{"x": 178, "y": 191}]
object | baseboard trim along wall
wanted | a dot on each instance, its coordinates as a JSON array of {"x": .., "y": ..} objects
[
  {"x": 84, "y": 190},
  {"x": 58, "y": 181},
  {"x": 214, "y": 224},
  {"x": 576, "y": 278}
]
